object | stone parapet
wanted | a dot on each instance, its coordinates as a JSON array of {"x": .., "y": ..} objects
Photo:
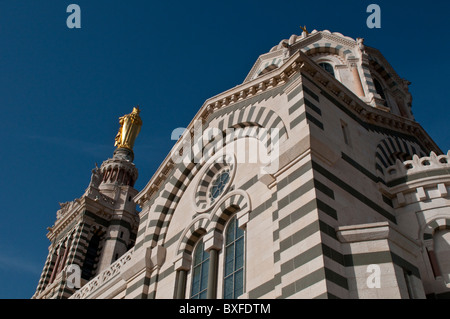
[
  {"x": 425, "y": 166},
  {"x": 105, "y": 276},
  {"x": 418, "y": 180}
]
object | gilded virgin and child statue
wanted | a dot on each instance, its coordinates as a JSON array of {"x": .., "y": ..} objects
[{"x": 130, "y": 126}]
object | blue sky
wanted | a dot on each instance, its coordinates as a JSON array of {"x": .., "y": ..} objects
[{"x": 62, "y": 90}]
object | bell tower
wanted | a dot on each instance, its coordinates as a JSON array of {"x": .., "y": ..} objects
[{"x": 93, "y": 231}]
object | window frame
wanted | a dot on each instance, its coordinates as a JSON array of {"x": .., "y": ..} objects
[
  {"x": 321, "y": 63},
  {"x": 218, "y": 177},
  {"x": 383, "y": 94},
  {"x": 220, "y": 271},
  {"x": 203, "y": 266},
  {"x": 222, "y": 262}
]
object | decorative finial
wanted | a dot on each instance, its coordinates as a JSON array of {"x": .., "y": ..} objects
[{"x": 130, "y": 126}]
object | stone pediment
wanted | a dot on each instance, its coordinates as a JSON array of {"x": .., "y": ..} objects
[{"x": 287, "y": 47}]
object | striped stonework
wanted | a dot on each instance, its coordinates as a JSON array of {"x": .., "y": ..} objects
[
  {"x": 79, "y": 244},
  {"x": 138, "y": 287},
  {"x": 303, "y": 107},
  {"x": 392, "y": 148},
  {"x": 368, "y": 79},
  {"x": 196, "y": 230},
  {"x": 176, "y": 184},
  {"x": 235, "y": 202},
  {"x": 162, "y": 209},
  {"x": 57, "y": 260},
  {"x": 328, "y": 47},
  {"x": 70, "y": 246},
  {"x": 221, "y": 163},
  {"x": 435, "y": 225},
  {"x": 348, "y": 196},
  {"x": 46, "y": 272},
  {"x": 307, "y": 219},
  {"x": 268, "y": 65},
  {"x": 258, "y": 116},
  {"x": 385, "y": 74}
]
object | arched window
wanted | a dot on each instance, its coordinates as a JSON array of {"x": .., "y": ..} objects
[
  {"x": 200, "y": 267},
  {"x": 327, "y": 67},
  {"x": 380, "y": 91},
  {"x": 233, "y": 281},
  {"x": 89, "y": 264},
  {"x": 206, "y": 276}
]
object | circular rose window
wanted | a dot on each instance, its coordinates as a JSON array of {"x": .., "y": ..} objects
[
  {"x": 215, "y": 181},
  {"x": 218, "y": 184}
]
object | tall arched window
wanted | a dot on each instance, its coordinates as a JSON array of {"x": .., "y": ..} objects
[
  {"x": 327, "y": 67},
  {"x": 380, "y": 91},
  {"x": 87, "y": 271},
  {"x": 233, "y": 281},
  {"x": 200, "y": 269}
]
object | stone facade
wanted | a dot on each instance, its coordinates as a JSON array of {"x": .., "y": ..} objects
[{"x": 353, "y": 202}]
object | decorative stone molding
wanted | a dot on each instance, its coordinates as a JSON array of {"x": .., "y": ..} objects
[
  {"x": 113, "y": 167},
  {"x": 298, "y": 62},
  {"x": 418, "y": 165},
  {"x": 238, "y": 198},
  {"x": 211, "y": 226},
  {"x": 183, "y": 261},
  {"x": 422, "y": 179},
  {"x": 51, "y": 291},
  {"x": 208, "y": 173},
  {"x": 377, "y": 231},
  {"x": 146, "y": 258},
  {"x": 438, "y": 223},
  {"x": 73, "y": 212},
  {"x": 213, "y": 240},
  {"x": 66, "y": 207},
  {"x": 106, "y": 275},
  {"x": 364, "y": 232},
  {"x": 98, "y": 196}
]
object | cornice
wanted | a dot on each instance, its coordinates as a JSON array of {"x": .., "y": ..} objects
[
  {"x": 368, "y": 114},
  {"x": 65, "y": 220},
  {"x": 80, "y": 205},
  {"x": 298, "y": 62},
  {"x": 339, "y": 38}
]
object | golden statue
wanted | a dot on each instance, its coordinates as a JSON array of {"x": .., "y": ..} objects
[{"x": 130, "y": 126}]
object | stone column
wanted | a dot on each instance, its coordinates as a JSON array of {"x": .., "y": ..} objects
[
  {"x": 213, "y": 244},
  {"x": 212, "y": 274},
  {"x": 182, "y": 266},
  {"x": 181, "y": 284}
]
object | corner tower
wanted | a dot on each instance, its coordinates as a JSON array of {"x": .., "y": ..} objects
[{"x": 96, "y": 229}]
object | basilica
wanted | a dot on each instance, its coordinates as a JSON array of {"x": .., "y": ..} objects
[{"x": 311, "y": 179}]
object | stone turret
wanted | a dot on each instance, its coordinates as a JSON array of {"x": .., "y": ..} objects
[
  {"x": 95, "y": 230},
  {"x": 420, "y": 190}
]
